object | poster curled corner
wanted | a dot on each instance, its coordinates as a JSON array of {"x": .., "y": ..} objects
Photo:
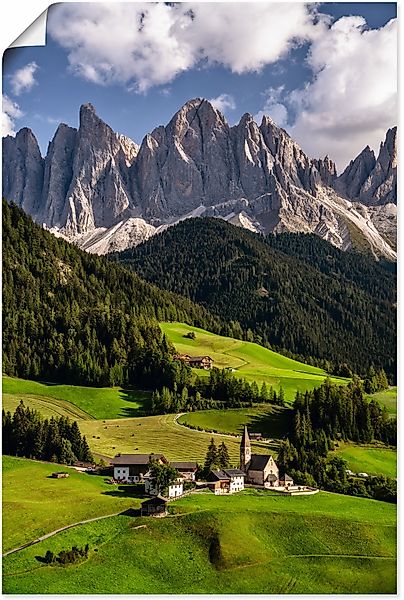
[{"x": 34, "y": 34}]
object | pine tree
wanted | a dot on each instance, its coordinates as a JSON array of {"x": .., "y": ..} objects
[
  {"x": 223, "y": 457},
  {"x": 211, "y": 458}
]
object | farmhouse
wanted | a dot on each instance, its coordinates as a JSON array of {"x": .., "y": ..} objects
[
  {"x": 187, "y": 470},
  {"x": 226, "y": 481},
  {"x": 199, "y": 362},
  {"x": 131, "y": 468},
  {"x": 175, "y": 490},
  {"x": 154, "y": 507},
  {"x": 260, "y": 469}
]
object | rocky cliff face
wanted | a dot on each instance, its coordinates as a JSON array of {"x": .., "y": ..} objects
[
  {"x": 99, "y": 189},
  {"x": 370, "y": 181}
]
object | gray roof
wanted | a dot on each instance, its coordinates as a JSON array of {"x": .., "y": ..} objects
[
  {"x": 258, "y": 462},
  {"x": 198, "y": 358},
  {"x": 135, "y": 459},
  {"x": 272, "y": 477},
  {"x": 184, "y": 465},
  {"x": 226, "y": 474},
  {"x": 286, "y": 477},
  {"x": 155, "y": 500}
]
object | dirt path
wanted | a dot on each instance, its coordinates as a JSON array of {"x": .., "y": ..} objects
[{"x": 52, "y": 533}]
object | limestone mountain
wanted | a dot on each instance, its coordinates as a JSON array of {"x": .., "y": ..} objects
[{"x": 101, "y": 190}]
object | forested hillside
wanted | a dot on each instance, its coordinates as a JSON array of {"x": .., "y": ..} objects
[
  {"x": 77, "y": 318},
  {"x": 291, "y": 292}
]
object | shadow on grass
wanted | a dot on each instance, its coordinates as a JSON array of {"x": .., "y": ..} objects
[
  {"x": 140, "y": 401},
  {"x": 127, "y": 491},
  {"x": 274, "y": 424}
]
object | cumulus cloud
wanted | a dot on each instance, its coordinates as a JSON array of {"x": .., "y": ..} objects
[
  {"x": 273, "y": 107},
  {"x": 144, "y": 44},
  {"x": 10, "y": 112},
  {"x": 352, "y": 99},
  {"x": 24, "y": 79},
  {"x": 223, "y": 102}
]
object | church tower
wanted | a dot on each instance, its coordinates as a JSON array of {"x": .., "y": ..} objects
[{"x": 245, "y": 450}]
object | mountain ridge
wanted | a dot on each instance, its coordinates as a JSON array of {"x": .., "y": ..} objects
[{"x": 95, "y": 181}]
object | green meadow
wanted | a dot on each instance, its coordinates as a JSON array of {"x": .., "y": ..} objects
[
  {"x": 270, "y": 420},
  {"x": 388, "y": 398},
  {"x": 82, "y": 402},
  {"x": 252, "y": 542},
  {"x": 372, "y": 459},
  {"x": 159, "y": 433},
  {"x": 35, "y": 504},
  {"x": 249, "y": 360}
]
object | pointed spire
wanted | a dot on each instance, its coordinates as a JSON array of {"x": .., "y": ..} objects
[{"x": 245, "y": 450}]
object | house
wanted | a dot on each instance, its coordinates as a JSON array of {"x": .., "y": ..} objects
[
  {"x": 256, "y": 437},
  {"x": 260, "y": 469},
  {"x": 226, "y": 481},
  {"x": 187, "y": 470},
  {"x": 131, "y": 468},
  {"x": 175, "y": 490},
  {"x": 154, "y": 507},
  {"x": 285, "y": 481},
  {"x": 200, "y": 362}
]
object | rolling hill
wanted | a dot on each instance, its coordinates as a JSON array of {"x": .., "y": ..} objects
[
  {"x": 289, "y": 291},
  {"x": 249, "y": 360},
  {"x": 253, "y": 542}
]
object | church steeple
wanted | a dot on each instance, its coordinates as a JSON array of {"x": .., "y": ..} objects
[{"x": 245, "y": 449}]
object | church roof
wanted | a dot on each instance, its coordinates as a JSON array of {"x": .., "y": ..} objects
[
  {"x": 245, "y": 440},
  {"x": 258, "y": 462}
]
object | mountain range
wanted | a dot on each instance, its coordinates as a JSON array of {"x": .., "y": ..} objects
[{"x": 102, "y": 191}]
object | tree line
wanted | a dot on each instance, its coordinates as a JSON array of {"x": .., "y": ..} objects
[
  {"x": 26, "y": 433},
  {"x": 321, "y": 418},
  {"x": 220, "y": 390}
]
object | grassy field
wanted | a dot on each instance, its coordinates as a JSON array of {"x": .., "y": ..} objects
[
  {"x": 35, "y": 504},
  {"x": 271, "y": 421},
  {"x": 156, "y": 434},
  {"x": 251, "y": 361},
  {"x": 369, "y": 459},
  {"x": 79, "y": 401},
  {"x": 253, "y": 542},
  {"x": 388, "y": 398}
]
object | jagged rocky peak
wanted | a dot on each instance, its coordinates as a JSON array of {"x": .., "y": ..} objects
[
  {"x": 95, "y": 180},
  {"x": 327, "y": 170},
  {"x": 356, "y": 173},
  {"x": 23, "y": 171}
]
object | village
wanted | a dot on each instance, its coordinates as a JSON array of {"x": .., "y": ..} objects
[{"x": 255, "y": 470}]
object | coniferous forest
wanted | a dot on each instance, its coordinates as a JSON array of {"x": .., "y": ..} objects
[
  {"x": 77, "y": 318},
  {"x": 295, "y": 293}
]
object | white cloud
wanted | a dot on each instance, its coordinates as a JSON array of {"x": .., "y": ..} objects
[
  {"x": 223, "y": 102},
  {"x": 10, "y": 112},
  {"x": 23, "y": 79},
  {"x": 144, "y": 44},
  {"x": 352, "y": 99},
  {"x": 273, "y": 107}
]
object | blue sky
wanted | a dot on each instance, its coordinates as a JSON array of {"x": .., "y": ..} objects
[{"x": 256, "y": 71}]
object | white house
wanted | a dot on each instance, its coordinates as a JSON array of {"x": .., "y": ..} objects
[
  {"x": 131, "y": 468},
  {"x": 175, "y": 490},
  {"x": 226, "y": 481}
]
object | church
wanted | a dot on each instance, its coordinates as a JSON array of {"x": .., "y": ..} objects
[{"x": 260, "y": 469}]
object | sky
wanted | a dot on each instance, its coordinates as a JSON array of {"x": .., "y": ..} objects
[{"x": 327, "y": 73}]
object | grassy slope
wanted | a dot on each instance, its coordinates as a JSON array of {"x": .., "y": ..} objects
[
  {"x": 254, "y": 542},
  {"x": 99, "y": 403},
  {"x": 369, "y": 459},
  {"x": 34, "y": 504},
  {"x": 270, "y": 420},
  {"x": 156, "y": 434},
  {"x": 388, "y": 398},
  {"x": 250, "y": 360}
]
